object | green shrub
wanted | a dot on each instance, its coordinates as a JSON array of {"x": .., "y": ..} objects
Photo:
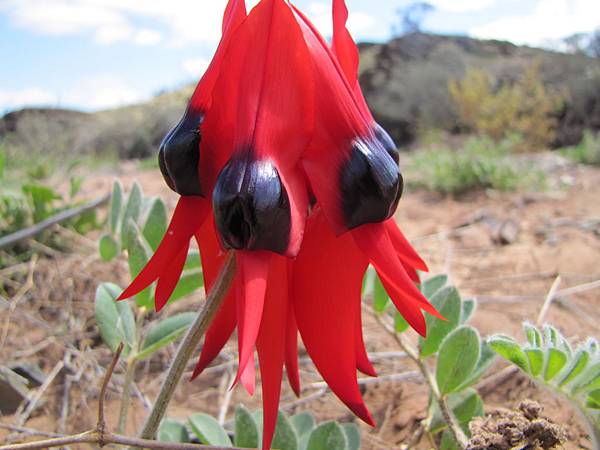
[
  {"x": 481, "y": 164},
  {"x": 452, "y": 357},
  {"x": 587, "y": 151},
  {"x": 28, "y": 195},
  {"x": 298, "y": 432},
  {"x": 549, "y": 358}
]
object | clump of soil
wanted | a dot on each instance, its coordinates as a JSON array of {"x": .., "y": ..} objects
[{"x": 524, "y": 428}]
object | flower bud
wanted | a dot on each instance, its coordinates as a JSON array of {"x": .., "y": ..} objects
[
  {"x": 371, "y": 184},
  {"x": 179, "y": 154},
  {"x": 251, "y": 205}
]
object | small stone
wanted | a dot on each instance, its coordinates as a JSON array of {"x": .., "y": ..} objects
[{"x": 508, "y": 233}]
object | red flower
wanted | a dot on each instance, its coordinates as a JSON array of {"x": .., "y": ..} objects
[{"x": 279, "y": 145}]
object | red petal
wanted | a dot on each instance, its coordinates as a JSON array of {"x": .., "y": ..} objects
[
  {"x": 223, "y": 324},
  {"x": 362, "y": 357},
  {"x": 248, "y": 376},
  {"x": 291, "y": 351},
  {"x": 375, "y": 242},
  {"x": 410, "y": 310},
  {"x": 346, "y": 51},
  {"x": 263, "y": 103},
  {"x": 263, "y": 97},
  {"x": 403, "y": 248},
  {"x": 343, "y": 45},
  {"x": 412, "y": 273},
  {"x": 338, "y": 123},
  {"x": 187, "y": 218},
  {"x": 168, "y": 281},
  {"x": 327, "y": 279},
  {"x": 235, "y": 14},
  {"x": 271, "y": 345},
  {"x": 297, "y": 190},
  {"x": 253, "y": 268}
]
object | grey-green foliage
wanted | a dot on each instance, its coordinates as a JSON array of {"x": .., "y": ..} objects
[
  {"x": 116, "y": 322},
  {"x": 460, "y": 356},
  {"x": 115, "y": 319},
  {"x": 208, "y": 430},
  {"x": 165, "y": 332},
  {"x": 136, "y": 225},
  {"x": 172, "y": 431},
  {"x": 140, "y": 223},
  {"x": 298, "y": 432},
  {"x": 548, "y": 358}
]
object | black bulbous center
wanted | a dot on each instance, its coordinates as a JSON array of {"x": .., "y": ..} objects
[
  {"x": 179, "y": 155},
  {"x": 386, "y": 142},
  {"x": 371, "y": 183},
  {"x": 251, "y": 205}
]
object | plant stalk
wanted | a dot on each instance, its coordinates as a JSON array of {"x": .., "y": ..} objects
[
  {"x": 130, "y": 372},
  {"x": 188, "y": 345},
  {"x": 593, "y": 429},
  {"x": 126, "y": 396},
  {"x": 441, "y": 400}
]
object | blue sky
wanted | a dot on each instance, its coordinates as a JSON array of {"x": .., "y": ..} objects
[{"x": 96, "y": 54}]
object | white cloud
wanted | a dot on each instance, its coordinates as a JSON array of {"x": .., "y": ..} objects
[
  {"x": 26, "y": 97},
  {"x": 60, "y": 17},
  {"x": 195, "y": 67},
  {"x": 461, "y": 6},
  {"x": 113, "y": 33},
  {"x": 147, "y": 37},
  {"x": 548, "y": 21},
  {"x": 96, "y": 93},
  {"x": 111, "y": 21},
  {"x": 359, "y": 21},
  {"x": 178, "y": 22},
  {"x": 101, "y": 92}
]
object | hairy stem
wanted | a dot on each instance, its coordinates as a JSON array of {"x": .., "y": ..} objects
[
  {"x": 130, "y": 372},
  {"x": 592, "y": 425},
  {"x": 441, "y": 400},
  {"x": 187, "y": 346},
  {"x": 126, "y": 396}
]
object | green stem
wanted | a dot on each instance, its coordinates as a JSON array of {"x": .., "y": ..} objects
[
  {"x": 592, "y": 425},
  {"x": 130, "y": 372},
  {"x": 187, "y": 346},
  {"x": 126, "y": 396},
  {"x": 441, "y": 400}
]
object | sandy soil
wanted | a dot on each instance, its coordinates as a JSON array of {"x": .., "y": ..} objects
[{"x": 558, "y": 233}]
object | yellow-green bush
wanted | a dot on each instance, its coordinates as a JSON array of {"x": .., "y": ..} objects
[{"x": 524, "y": 107}]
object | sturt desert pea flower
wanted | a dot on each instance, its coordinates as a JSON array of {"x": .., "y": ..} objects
[
  {"x": 178, "y": 158},
  {"x": 301, "y": 183}
]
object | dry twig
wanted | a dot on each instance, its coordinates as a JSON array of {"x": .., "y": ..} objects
[
  {"x": 39, "y": 393},
  {"x": 100, "y": 436},
  {"x": 63, "y": 216}
]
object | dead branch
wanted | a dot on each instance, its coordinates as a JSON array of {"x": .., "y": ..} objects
[
  {"x": 100, "y": 436},
  {"x": 38, "y": 228}
]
